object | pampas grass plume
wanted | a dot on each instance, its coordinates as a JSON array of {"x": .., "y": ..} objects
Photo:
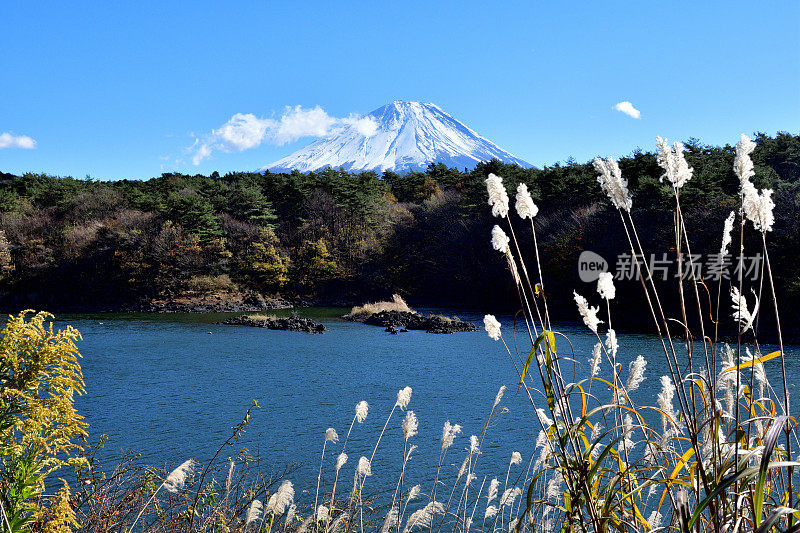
[
  {"x": 636, "y": 373},
  {"x": 492, "y": 326},
  {"x": 449, "y": 433},
  {"x": 498, "y": 197},
  {"x": 403, "y": 397},
  {"x": 525, "y": 206},
  {"x": 362, "y": 408},
  {"x": 410, "y": 425},
  {"x": 364, "y": 467},
  {"x": 500, "y": 240},
  {"x": 499, "y": 396},
  {"x": 177, "y": 478},
  {"x": 254, "y": 512},
  {"x": 331, "y": 435}
]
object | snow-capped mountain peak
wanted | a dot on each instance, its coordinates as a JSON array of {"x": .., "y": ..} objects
[{"x": 400, "y": 136}]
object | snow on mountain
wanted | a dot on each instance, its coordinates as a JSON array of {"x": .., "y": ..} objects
[{"x": 400, "y": 136}]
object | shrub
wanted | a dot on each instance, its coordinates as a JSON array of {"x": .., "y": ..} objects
[
  {"x": 39, "y": 426},
  {"x": 206, "y": 284}
]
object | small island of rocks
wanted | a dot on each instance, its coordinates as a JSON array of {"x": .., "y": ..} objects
[
  {"x": 291, "y": 323},
  {"x": 396, "y": 316}
]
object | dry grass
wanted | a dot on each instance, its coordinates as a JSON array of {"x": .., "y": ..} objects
[
  {"x": 396, "y": 304},
  {"x": 263, "y": 318}
]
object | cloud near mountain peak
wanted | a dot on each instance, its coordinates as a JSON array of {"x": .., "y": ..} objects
[{"x": 244, "y": 131}]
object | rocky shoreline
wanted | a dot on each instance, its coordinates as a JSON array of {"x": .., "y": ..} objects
[
  {"x": 292, "y": 323},
  {"x": 398, "y": 321}
]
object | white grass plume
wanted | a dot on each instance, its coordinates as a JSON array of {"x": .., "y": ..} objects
[
  {"x": 612, "y": 182},
  {"x": 331, "y": 435},
  {"x": 474, "y": 445},
  {"x": 726, "y": 234},
  {"x": 364, "y": 467},
  {"x": 390, "y": 522},
  {"x": 654, "y": 520},
  {"x": 605, "y": 286},
  {"x": 636, "y": 370},
  {"x": 491, "y": 511},
  {"x": 664, "y": 402},
  {"x": 525, "y": 206},
  {"x": 403, "y": 397},
  {"x": 362, "y": 409},
  {"x": 742, "y": 164},
  {"x": 516, "y": 458},
  {"x": 509, "y": 495},
  {"x": 177, "y": 478},
  {"x": 414, "y": 493},
  {"x": 757, "y": 206},
  {"x": 492, "y": 326},
  {"x": 341, "y": 460},
  {"x": 543, "y": 418},
  {"x": 595, "y": 359},
  {"x": 254, "y": 512},
  {"x": 338, "y": 525},
  {"x": 498, "y": 196},
  {"x": 612, "y": 345},
  {"x": 424, "y": 517},
  {"x": 672, "y": 160},
  {"x": 500, "y": 241},
  {"x": 741, "y": 312},
  {"x": 291, "y": 514},
  {"x": 499, "y": 396},
  {"x": 283, "y": 498},
  {"x": 541, "y": 438},
  {"x": 726, "y": 380},
  {"x": 449, "y": 433},
  {"x": 229, "y": 478},
  {"x": 493, "y": 487},
  {"x": 554, "y": 486},
  {"x": 589, "y": 314},
  {"x": 175, "y": 482},
  {"x": 410, "y": 425},
  {"x": 464, "y": 466},
  {"x": 627, "y": 429}
]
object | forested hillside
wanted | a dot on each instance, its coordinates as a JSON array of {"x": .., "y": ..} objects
[{"x": 336, "y": 237}]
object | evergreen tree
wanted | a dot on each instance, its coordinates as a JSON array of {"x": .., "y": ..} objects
[{"x": 266, "y": 266}]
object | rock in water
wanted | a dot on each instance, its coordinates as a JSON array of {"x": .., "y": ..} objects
[
  {"x": 429, "y": 323},
  {"x": 292, "y": 323}
]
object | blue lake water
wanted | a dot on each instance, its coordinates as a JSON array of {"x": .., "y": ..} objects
[{"x": 171, "y": 387}]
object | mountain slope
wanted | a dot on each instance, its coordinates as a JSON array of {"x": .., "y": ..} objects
[{"x": 406, "y": 136}]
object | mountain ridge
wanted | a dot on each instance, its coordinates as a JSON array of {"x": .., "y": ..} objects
[{"x": 400, "y": 136}]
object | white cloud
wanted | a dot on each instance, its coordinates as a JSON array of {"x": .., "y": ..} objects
[
  {"x": 245, "y": 131},
  {"x": 366, "y": 126},
  {"x": 298, "y": 122},
  {"x": 627, "y": 108},
  {"x": 7, "y": 140},
  {"x": 241, "y": 132},
  {"x": 203, "y": 151}
]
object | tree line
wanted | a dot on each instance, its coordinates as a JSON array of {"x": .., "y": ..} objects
[{"x": 333, "y": 236}]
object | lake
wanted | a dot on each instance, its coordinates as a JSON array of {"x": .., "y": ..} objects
[{"x": 172, "y": 386}]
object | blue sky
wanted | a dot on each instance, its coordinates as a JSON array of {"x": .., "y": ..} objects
[{"x": 125, "y": 89}]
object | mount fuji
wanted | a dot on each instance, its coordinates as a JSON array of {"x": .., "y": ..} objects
[{"x": 400, "y": 136}]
